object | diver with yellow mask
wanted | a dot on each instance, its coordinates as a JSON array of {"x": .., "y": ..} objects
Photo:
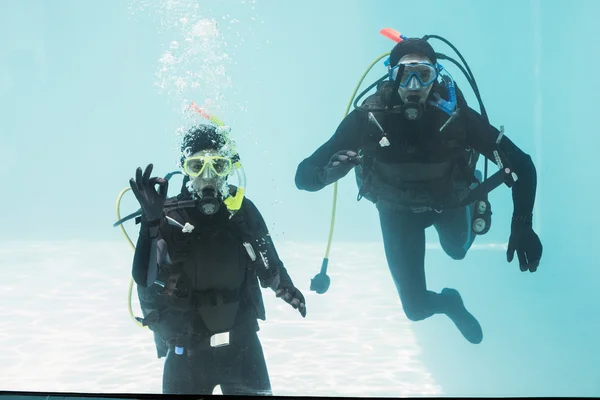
[
  {"x": 414, "y": 145},
  {"x": 198, "y": 263}
]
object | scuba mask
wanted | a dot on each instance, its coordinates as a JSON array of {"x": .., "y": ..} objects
[
  {"x": 208, "y": 179},
  {"x": 414, "y": 77}
]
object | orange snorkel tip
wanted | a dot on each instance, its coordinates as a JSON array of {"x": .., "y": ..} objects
[
  {"x": 200, "y": 111},
  {"x": 392, "y": 34},
  {"x": 206, "y": 115}
]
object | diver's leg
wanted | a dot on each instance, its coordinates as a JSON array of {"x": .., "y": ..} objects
[
  {"x": 246, "y": 372},
  {"x": 454, "y": 230},
  {"x": 188, "y": 373},
  {"x": 404, "y": 243},
  {"x": 456, "y": 237}
]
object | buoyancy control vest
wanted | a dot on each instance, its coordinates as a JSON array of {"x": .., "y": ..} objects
[
  {"x": 423, "y": 168},
  {"x": 209, "y": 283}
]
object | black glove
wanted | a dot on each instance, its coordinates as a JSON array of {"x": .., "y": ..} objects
[
  {"x": 339, "y": 165},
  {"x": 151, "y": 201},
  {"x": 292, "y": 296},
  {"x": 388, "y": 93},
  {"x": 526, "y": 243}
]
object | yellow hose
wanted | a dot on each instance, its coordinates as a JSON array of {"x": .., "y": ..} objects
[
  {"x": 133, "y": 248},
  {"x": 335, "y": 185}
]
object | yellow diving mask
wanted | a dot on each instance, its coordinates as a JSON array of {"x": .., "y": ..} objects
[{"x": 195, "y": 166}]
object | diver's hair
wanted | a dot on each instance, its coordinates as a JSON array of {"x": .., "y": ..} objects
[{"x": 201, "y": 137}]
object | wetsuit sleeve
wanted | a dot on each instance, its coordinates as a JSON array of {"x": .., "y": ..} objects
[
  {"x": 260, "y": 230},
  {"x": 346, "y": 137},
  {"x": 149, "y": 251},
  {"x": 482, "y": 137}
]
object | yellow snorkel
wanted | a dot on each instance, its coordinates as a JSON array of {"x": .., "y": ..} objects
[{"x": 233, "y": 203}]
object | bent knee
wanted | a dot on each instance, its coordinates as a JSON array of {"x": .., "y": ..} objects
[
  {"x": 458, "y": 254},
  {"x": 415, "y": 310},
  {"x": 455, "y": 252}
]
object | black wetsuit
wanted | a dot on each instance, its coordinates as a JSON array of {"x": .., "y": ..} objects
[
  {"x": 216, "y": 246},
  {"x": 414, "y": 144}
]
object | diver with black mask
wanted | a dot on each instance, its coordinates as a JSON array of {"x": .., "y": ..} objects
[
  {"x": 414, "y": 145},
  {"x": 198, "y": 263}
]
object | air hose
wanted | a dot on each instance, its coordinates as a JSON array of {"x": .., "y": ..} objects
[{"x": 320, "y": 283}]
